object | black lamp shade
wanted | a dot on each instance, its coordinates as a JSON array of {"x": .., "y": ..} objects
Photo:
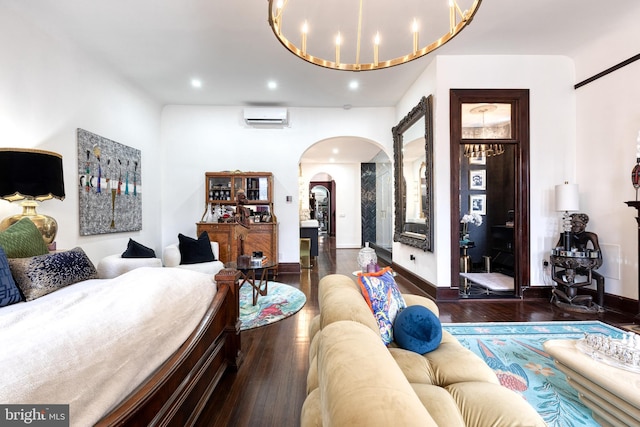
[{"x": 30, "y": 174}]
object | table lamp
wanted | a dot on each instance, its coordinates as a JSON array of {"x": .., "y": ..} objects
[
  {"x": 567, "y": 200},
  {"x": 31, "y": 176}
]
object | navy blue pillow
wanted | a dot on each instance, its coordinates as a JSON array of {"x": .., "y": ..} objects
[
  {"x": 136, "y": 250},
  {"x": 194, "y": 251},
  {"x": 417, "y": 329},
  {"x": 9, "y": 292}
]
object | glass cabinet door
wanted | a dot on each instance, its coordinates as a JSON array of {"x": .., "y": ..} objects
[
  {"x": 257, "y": 188},
  {"x": 219, "y": 188}
]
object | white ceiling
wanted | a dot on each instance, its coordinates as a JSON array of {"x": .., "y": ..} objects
[{"x": 160, "y": 46}]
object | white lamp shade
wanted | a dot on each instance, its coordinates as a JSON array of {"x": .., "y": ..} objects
[{"x": 567, "y": 197}]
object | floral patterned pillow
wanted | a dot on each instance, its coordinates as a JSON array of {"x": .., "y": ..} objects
[{"x": 383, "y": 297}]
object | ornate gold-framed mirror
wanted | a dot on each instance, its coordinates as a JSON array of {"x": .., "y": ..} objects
[{"x": 413, "y": 176}]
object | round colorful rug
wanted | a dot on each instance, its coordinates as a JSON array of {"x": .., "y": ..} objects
[{"x": 280, "y": 302}]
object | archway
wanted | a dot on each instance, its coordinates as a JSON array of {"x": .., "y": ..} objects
[{"x": 361, "y": 173}]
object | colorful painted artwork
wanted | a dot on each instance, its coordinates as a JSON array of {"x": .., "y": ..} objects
[{"x": 109, "y": 185}]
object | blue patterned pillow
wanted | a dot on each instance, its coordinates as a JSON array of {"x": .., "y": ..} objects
[
  {"x": 383, "y": 296},
  {"x": 41, "y": 275},
  {"x": 9, "y": 292},
  {"x": 417, "y": 329}
]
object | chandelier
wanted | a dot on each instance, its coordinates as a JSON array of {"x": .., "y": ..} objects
[
  {"x": 360, "y": 37},
  {"x": 483, "y": 150}
]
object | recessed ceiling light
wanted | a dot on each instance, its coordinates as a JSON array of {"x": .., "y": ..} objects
[
  {"x": 335, "y": 151},
  {"x": 332, "y": 160},
  {"x": 272, "y": 85},
  {"x": 353, "y": 85},
  {"x": 196, "y": 83}
]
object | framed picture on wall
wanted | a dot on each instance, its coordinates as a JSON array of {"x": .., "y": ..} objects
[
  {"x": 478, "y": 160},
  {"x": 478, "y": 179},
  {"x": 478, "y": 203}
]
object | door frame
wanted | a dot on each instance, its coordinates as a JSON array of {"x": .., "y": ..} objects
[
  {"x": 519, "y": 100},
  {"x": 331, "y": 186}
]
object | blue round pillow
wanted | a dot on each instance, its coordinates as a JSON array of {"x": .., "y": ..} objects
[{"x": 417, "y": 329}]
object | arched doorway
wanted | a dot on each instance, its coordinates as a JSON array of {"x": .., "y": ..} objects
[
  {"x": 359, "y": 171},
  {"x": 322, "y": 206}
]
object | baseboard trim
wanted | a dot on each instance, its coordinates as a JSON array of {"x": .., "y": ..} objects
[
  {"x": 411, "y": 280},
  {"x": 289, "y": 268}
]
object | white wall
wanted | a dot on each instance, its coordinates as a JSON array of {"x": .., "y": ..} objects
[
  {"x": 552, "y": 122},
  {"x": 199, "y": 139},
  {"x": 608, "y": 122},
  {"x": 49, "y": 89},
  {"x": 424, "y": 264}
]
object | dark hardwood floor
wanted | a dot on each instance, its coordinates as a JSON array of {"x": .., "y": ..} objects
[{"x": 270, "y": 386}]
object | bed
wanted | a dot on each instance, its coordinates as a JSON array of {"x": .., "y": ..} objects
[{"x": 145, "y": 348}]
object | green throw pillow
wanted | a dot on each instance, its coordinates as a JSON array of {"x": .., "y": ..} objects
[{"x": 22, "y": 240}]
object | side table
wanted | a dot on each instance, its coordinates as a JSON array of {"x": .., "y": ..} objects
[
  {"x": 465, "y": 263},
  {"x": 612, "y": 394},
  {"x": 259, "y": 286}
]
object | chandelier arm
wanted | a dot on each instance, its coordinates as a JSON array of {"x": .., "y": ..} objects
[
  {"x": 359, "y": 35},
  {"x": 460, "y": 12}
]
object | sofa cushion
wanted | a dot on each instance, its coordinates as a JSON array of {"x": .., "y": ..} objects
[
  {"x": 194, "y": 251},
  {"x": 9, "y": 292},
  {"x": 485, "y": 404},
  {"x": 22, "y": 240},
  {"x": 344, "y": 303},
  {"x": 137, "y": 250},
  {"x": 383, "y": 297},
  {"x": 441, "y": 406},
  {"x": 41, "y": 275},
  {"x": 452, "y": 363},
  {"x": 114, "y": 265},
  {"x": 415, "y": 367},
  {"x": 417, "y": 329},
  {"x": 359, "y": 382}
]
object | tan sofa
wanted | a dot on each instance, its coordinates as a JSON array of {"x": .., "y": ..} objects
[{"x": 354, "y": 379}]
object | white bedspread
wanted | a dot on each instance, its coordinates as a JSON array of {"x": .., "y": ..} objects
[{"x": 92, "y": 343}]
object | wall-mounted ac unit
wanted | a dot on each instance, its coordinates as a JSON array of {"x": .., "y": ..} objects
[{"x": 266, "y": 116}]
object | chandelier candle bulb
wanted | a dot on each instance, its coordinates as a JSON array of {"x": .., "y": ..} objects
[
  {"x": 376, "y": 45},
  {"x": 415, "y": 36},
  {"x": 338, "y": 41},
  {"x": 452, "y": 17},
  {"x": 305, "y": 29}
]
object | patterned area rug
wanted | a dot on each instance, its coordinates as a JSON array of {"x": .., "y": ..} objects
[
  {"x": 514, "y": 351},
  {"x": 280, "y": 302}
]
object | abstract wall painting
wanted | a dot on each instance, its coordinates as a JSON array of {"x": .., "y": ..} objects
[{"x": 109, "y": 185}]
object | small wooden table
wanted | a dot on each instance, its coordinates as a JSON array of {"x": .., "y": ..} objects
[{"x": 259, "y": 286}]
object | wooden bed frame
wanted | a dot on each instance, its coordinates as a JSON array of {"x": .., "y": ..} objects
[{"x": 178, "y": 391}]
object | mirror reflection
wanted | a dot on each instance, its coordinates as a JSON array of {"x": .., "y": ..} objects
[
  {"x": 413, "y": 145},
  {"x": 413, "y": 168}
]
